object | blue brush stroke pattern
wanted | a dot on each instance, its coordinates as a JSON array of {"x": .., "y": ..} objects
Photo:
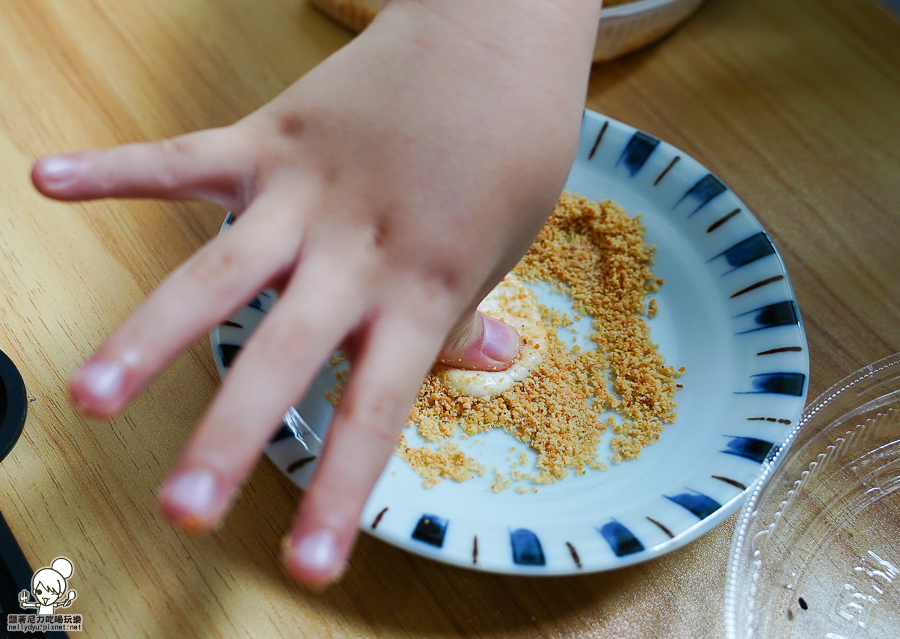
[
  {"x": 620, "y": 539},
  {"x": 431, "y": 530},
  {"x": 598, "y": 140},
  {"x": 526, "y": 548},
  {"x": 698, "y": 503},
  {"x": 257, "y": 303},
  {"x": 282, "y": 433},
  {"x": 639, "y": 148},
  {"x": 264, "y": 301},
  {"x": 703, "y": 192},
  {"x": 778, "y": 314},
  {"x": 228, "y": 352},
  {"x": 749, "y": 250},
  {"x": 300, "y": 463},
  {"x": 749, "y": 448},
  {"x": 779, "y": 384}
]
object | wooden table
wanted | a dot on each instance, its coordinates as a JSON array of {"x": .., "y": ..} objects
[{"x": 796, "y": 105}]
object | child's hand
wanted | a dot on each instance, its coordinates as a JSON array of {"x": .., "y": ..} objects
[{"x": 386, "y": 192}]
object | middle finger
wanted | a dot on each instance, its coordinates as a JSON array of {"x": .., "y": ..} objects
[{"x": 202, "y": 292}]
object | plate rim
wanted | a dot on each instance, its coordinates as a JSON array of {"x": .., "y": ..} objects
[{"x": 640, "y": 146}]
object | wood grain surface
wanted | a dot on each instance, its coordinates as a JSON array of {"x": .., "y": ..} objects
[{"x": 795, "y": 105}]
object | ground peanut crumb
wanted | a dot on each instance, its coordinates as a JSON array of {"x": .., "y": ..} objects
[
  {"x": 554, "y": 319},
  {"x": 336, "y": 360},
  {"x": 596, "y": 254},
  {"x": 334, "y": 395},
  {"x": 448, "y": 461},
  {"x": 501, "y": 483},
  {"x": 340, "y": 376}
]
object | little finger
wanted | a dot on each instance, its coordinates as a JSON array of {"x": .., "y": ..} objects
[{"x": 374, "y": 408}]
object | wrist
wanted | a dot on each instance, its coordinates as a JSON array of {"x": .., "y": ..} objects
[
  {"x": 545, "y": 43},
  {"x": 551, "y": 23}
]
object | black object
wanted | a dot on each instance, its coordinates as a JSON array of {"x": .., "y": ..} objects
[
  {"x": 13, "y": 404},
  {"x": 15, "y": 573},
  {"x": 15, "y": 576}
]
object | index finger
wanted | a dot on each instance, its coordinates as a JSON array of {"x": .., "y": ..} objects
[{"x": 214, "y": 164}]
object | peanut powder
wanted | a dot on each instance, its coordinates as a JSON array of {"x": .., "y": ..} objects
[{"x": 595, "y": 254}]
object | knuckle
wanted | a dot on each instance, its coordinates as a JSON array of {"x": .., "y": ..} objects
[
  {"x": 380, "y": 419},
  {"x": 173, "y": 154},
  {"x": 174, "y": 147},
  {"x": 290, "y": 125},
  {"x": 285, "y": 343},
  {"x": 441, "y": 279},
  {"x": 214, "y": 267},
  {"x": 334, "y": 503},
  {"x": 463, "y": 336}
]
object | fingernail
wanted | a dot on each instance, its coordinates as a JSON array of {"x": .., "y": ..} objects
[
  {"x": 104, "y": 381},
  {"x": 192, "y": 493},
  {"x": 317, "y": 552},
  {"x": 501, "y": 341},
  {"x": 59, "y": 171}
]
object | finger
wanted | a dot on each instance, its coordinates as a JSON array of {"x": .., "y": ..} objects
[
  {"x": 215, "y": 165},
  {"x": 480, "y": 342},
  {"x": 272, "y": 371},
  {"x": 373, "y": 409},
  {"x": 204, "y": 291}
]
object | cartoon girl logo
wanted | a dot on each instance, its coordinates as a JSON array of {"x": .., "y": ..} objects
[{"x": 48, "y": 587}]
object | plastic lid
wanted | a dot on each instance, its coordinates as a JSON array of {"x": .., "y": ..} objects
[
  {"x": 815, "y": 552},
  {"x": 13, "y": 404}
]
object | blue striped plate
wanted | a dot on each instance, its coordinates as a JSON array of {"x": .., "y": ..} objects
[{"x": 726, "y": 313}]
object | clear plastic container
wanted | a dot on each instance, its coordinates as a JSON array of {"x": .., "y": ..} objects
[{"x": 816, "y": 550}]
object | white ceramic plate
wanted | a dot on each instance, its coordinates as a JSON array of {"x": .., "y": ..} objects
[{"x": 726, "y": 313}]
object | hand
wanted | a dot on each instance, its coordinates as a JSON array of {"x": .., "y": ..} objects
[{"x": 385, "y": 193}]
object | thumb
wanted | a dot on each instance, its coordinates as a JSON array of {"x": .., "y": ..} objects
[{"x": 481, "y": 342}]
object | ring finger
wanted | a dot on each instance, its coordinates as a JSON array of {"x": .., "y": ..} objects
[
  {"x": 318, "y": 308},
  {"x": 373, "y": 409}
]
